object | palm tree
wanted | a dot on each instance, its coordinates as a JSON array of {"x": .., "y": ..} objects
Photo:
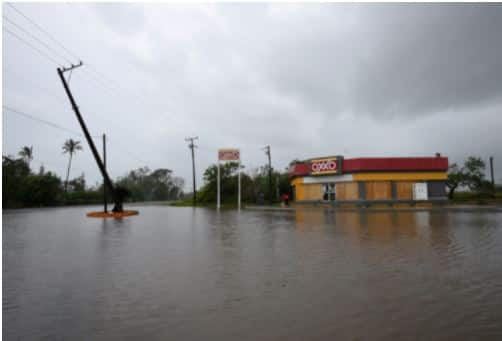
[
  {"x": 70, "y": 146},
  {"x": 26, "y": 154}
]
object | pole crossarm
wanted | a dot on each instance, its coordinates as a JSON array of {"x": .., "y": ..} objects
[{"x": 73, "y": 66}]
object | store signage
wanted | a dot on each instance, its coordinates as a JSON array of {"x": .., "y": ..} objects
[
  {"x": 324, "y": 166},
  {"x": 229, "y": 155}
]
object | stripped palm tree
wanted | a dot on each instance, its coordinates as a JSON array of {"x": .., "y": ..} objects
[
  {"x": 70, "y": 147},
  {"x": 26, "y": 154}
]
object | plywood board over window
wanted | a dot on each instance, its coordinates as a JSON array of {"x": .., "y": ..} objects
[
  {"x": 378, "y": 190},
  {"x": 347, "y": 191},
  {"x": 404, "y": 190},
  {"x": 313, "y": 192}
]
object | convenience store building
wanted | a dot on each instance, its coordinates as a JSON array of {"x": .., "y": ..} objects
[{"x": 369, "y": 180}]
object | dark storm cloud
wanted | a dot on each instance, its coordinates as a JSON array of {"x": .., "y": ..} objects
[
  {"x": 352, "y": 79},
  {"x": 392, "y": 60}
]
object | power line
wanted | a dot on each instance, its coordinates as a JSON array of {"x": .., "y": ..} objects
[
  {"x": 54, "y": 125},
  {"x": 46, "y": 122},
  {"x": 117, "y": 85},
  {"x": 104, "y": 85},
  {"x": 42, "y": 53},
  {"x": 42, "y": 30},
  {"x": 114, "y": 90},
  {"x": 51, "y": 37},
  {"x": 57, "y": 126},
  {"x": 47, "y": 46},
  {"x": 38, "y": 86}
]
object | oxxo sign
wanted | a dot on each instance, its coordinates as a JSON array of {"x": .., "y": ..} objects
[{"x": 325, "y": 166}]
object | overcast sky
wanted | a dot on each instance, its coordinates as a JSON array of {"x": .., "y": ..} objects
[{"x": 308, "y": 80}]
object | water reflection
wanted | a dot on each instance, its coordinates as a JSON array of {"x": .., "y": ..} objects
[{"x": 375, "y": 225}]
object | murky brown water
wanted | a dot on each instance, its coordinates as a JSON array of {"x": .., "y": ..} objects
[{"x": 185, "y": 274}]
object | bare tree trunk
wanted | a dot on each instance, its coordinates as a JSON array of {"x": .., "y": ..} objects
[
  {"x": 451, "y": 192},
  {"x": 68, "y": 174}
]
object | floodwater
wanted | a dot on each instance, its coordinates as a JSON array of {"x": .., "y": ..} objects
[{"x": 196, "y": 274}]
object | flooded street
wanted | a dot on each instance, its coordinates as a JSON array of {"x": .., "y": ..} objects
[{"x": 196, "y": 274}]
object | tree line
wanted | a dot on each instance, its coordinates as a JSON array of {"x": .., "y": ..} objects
[
  {"x": 470, "y": 175},
  {"x": 255, "y": 185},
  {"x": 24, "y": 187}
]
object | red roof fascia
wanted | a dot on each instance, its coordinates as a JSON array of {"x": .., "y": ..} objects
[
  {"x": 380, "y": 164},
  {"x": 395, "y": 164},
  {"x": 299, "y": 169}
]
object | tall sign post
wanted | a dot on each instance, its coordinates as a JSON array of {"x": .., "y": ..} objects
[
  {"x": 239, "y": 186},
  {"x": 229, "y": 155},
  {"x": 218, "y": 195}
]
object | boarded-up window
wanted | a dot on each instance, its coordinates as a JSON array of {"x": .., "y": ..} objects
[
  {"x": 378, "y": 190},
  {"x": 313, "y": 192},
  {"x": 347, "y": 191},
  {"x": 404, "y": 190}
]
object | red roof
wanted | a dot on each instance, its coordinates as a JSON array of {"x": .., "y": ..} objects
[
  {"x": 379, "y": 164},
  {"x": 395, "y": 164}
]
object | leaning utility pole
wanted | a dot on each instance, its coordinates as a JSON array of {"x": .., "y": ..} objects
[
  {"x": 192, "y": 146},
  {"x": 270, "y": 190},
  {"x": 117, "y": 198}
]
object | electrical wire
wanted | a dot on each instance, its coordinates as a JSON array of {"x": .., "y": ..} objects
[
  {"x": 57, "y": 126},
  {"x": 43, "y": 121},
  {"x": 87, "y": 74},
  {"x": 47, "y": 46},
  {"x": 39, "y": 87},
  {"x": 42, "y": 30},
  {"x": 67, "y": 50},
  {"x": 42, "y": 53}
]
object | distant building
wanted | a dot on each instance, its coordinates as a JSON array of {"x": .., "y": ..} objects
[{"x": 369, "y": 180}]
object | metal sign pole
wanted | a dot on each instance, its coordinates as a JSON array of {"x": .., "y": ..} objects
[
  {"x": 218, "y": 185},
  {"x": 239, "y": 187}
]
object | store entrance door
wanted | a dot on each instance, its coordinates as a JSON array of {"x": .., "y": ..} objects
[{"x": 329, "y": 192}]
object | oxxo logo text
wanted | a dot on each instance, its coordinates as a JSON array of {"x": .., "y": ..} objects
[{"x": 322, "y": 166}]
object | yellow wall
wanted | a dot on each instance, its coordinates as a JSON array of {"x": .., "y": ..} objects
[
  {"x": 377, "y": 186},
  {"x": 396, "y": 176}
]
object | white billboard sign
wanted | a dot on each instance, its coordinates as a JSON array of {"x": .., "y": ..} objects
[{"x": 229, "y": 155}]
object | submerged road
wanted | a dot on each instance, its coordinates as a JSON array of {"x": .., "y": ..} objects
[{"x": 179, "y": 273}]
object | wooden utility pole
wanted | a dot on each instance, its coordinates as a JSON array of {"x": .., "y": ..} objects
[
  {"x": 191, "y": 145},
  {"x": 108, "y": 182},
  {"x": 491, "y": 174},
  {"x": 270, "y": 190}
]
